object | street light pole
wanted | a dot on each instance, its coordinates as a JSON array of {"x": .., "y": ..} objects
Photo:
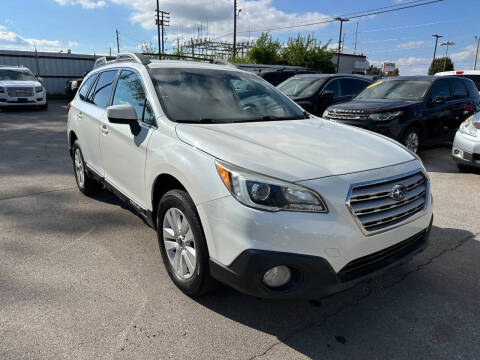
[
  {"x": 447, "y": 44},
  {"x": 477, "y": 39},
  {"x": 342, "y": 20},
  {"x": 436, "y": 36}
]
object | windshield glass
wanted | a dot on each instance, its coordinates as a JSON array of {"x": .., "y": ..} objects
[
  {"x": 204, "y": 95},
  {"x": 18, "y": 75},
  {"x": 297, "y": 87},
  {"x": 410, "y": 90}
]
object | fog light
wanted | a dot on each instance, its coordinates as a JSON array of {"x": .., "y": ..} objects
[
  {"x": 457, "y": 152},
  {"x": 277, "y": 276}
]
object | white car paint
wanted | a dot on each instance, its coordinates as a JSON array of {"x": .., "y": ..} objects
[
  {"x": 316, "y": 153},
  {"x": 7, "y": 99}
]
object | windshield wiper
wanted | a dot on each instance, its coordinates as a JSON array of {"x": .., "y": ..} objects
[{"x": 204, "y": 121}]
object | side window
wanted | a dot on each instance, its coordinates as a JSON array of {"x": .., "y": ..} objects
[
  {"x": 440, "y": 88},
  {"x": 130, "y": 90},
  {"x": 459, "y": 90},
  {"x": 333, "y": 86},
  {"x": 352, "y": 86},
  {"x": 83, "y": 92},
  {"x": 101, "y": 95}
]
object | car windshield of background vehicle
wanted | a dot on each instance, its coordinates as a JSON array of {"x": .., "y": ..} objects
[
  {"x": 16, "y": 75},
  {"x": 301, "y": 87},
  {"x": 210, "y": 96},
  {"x": 410, "y": 90}
]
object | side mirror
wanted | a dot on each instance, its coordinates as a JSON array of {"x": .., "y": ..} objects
[
  {"x": 122, "y": 114},
  {"x": 328, "y": 94}
]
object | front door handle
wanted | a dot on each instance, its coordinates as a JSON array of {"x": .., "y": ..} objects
[{"x": 104, "y": 129}]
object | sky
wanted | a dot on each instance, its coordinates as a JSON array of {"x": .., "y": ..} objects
[{"x": 403, "y": 37}]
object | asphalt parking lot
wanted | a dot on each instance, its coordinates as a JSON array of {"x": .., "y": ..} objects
[{"x": 82, "y": 278}]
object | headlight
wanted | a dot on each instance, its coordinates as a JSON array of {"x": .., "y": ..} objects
[
  {"x": 471, "y": 126},
  {"x": 264, "y": 193},
  {"x": 38, "y": 89},
  {"x": 2, "y": 90},
  {"x": 387, "y": 116},
  {"x": 325, "y": 114}
]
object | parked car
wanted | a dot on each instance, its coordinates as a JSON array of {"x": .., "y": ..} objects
[
  {"x": 241, "y": 184},
  {"x": 316, "y": 92},
  {"x": 473, "y": 75},
  {"x": 417, "y": 111},
  {"x": 276, "y": 77},
  {"x": 466, "y": 146},
  {"x": 19, "y": 87}
]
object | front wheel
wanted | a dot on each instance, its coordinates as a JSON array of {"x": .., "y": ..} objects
[
  {"x": 182, "y": 243},
  {"x": 411, "y": 139}
]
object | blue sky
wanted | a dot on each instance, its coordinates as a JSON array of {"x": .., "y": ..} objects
[{"x": 88, "y": 26}]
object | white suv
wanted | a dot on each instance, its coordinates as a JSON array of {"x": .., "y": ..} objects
[
  {"x": 242, "y": 185},
  {"x": 19, "y": 87}
]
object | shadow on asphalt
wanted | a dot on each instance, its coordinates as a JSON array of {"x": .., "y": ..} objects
[{"x": 312, "y": 328}]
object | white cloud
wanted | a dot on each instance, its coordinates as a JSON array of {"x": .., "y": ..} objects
[
  {"x": 72, "y": 44},
  {"x": 412, "y": 60},
  {"x": 13, "y": 41},
  {"x": 411, "y": 45},
  {"x": 86, "y": 4},
  {"x": 407, "y": 66},
  {"x": 255, "y": 15},
  {"x": 468, "y": 53}
]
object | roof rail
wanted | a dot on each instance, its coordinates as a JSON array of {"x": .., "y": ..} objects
[
  {"x": 99, "y": 62},
  {"x": 135, "y": 57},
  {"x": 17, "y": 66}
]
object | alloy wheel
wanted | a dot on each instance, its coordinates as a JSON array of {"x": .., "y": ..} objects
[
  {"x": 79, "y": 170},
  {"x": 411, "y": 141},
  {"x": 179, "y": 244}
]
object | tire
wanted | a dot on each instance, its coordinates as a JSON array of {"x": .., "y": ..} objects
[
  {"x": 44, "y": 107},
  {"x": 179, "y": 229},
  {"x": 464, "y": 168},
  {"x": 411, "y": 139},
  {"x": 85, "y": 183}
]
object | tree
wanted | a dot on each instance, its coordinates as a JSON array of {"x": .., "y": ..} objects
[
  {"x": 148, "y": 48},
  {"x": 307, "y": 52},
  {"x": 441, "y": 64},
  {"x": 373, "y": 70},
  {"x": 265, "y": 50},
  {"x": 395, "y": 72}
]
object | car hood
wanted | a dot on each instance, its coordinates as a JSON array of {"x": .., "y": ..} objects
[
  {"x": 371, "y": 106},
  {"x": 295, "y": 150},
  {"x": 19, "y": 83}
]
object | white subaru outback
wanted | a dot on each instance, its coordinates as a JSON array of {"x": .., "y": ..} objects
[
  {"x": 243, "y": 186},
  {"x": 19, "y": 87}
]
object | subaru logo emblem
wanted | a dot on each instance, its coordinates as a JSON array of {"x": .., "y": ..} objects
[{"x": 398, "y": 192}]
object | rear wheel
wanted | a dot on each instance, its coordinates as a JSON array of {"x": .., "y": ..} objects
[
  {"x": 182, "y": 243},
  {"x": 411, "y": 139},
  {"x": 85, "y": 183},
  {"x": 464, "y": 168}
]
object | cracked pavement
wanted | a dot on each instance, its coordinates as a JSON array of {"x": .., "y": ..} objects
[{"x": 82, "y": 278}]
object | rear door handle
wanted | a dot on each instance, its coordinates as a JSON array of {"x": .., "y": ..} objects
[{"x": 104, "y": 129}]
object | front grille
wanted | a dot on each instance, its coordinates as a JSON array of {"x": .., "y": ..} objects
[
  {"x": 375, "y": 208},
  {"x": 338, "y": 114},
  {"x": 20, "y": 91},
  {"x": 373, "y": 262}
]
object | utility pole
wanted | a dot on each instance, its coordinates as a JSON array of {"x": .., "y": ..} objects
[
  {"x": 356, "y": 38},
  {"x": 436, "y": 36},
  {"x": 158, "y": 30},
  {"x": 342, "y": 20},
  {"x": 162, "y": 19},
  {"x": 447, "y": 44},
  {"x": 234, "y": 29},
  {"x": 477, "y": 39},
  {"x": 118, "y": 42}
]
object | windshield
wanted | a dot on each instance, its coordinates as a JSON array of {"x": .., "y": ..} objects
[
  {"x": 203, "y": 95},
  {"x": 16, "y": 75},
  {"x": 410, "y": 90},
  {"x": 296, "y": 87}
]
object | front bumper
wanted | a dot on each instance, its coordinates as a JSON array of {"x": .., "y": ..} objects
[
  {"x": 334, "y": 239},
  {"x": 37, "y": 99},
  {"x": 312, "y": 277},
  {"x": 466, "y": 150},
  {"x": 392, "y": 129}
]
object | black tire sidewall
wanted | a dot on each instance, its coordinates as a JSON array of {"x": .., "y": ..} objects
[
  {"x": 90, "y": 186},
  {"x": 412, "y": 129},
  {"x": 196, "y": 285}
]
